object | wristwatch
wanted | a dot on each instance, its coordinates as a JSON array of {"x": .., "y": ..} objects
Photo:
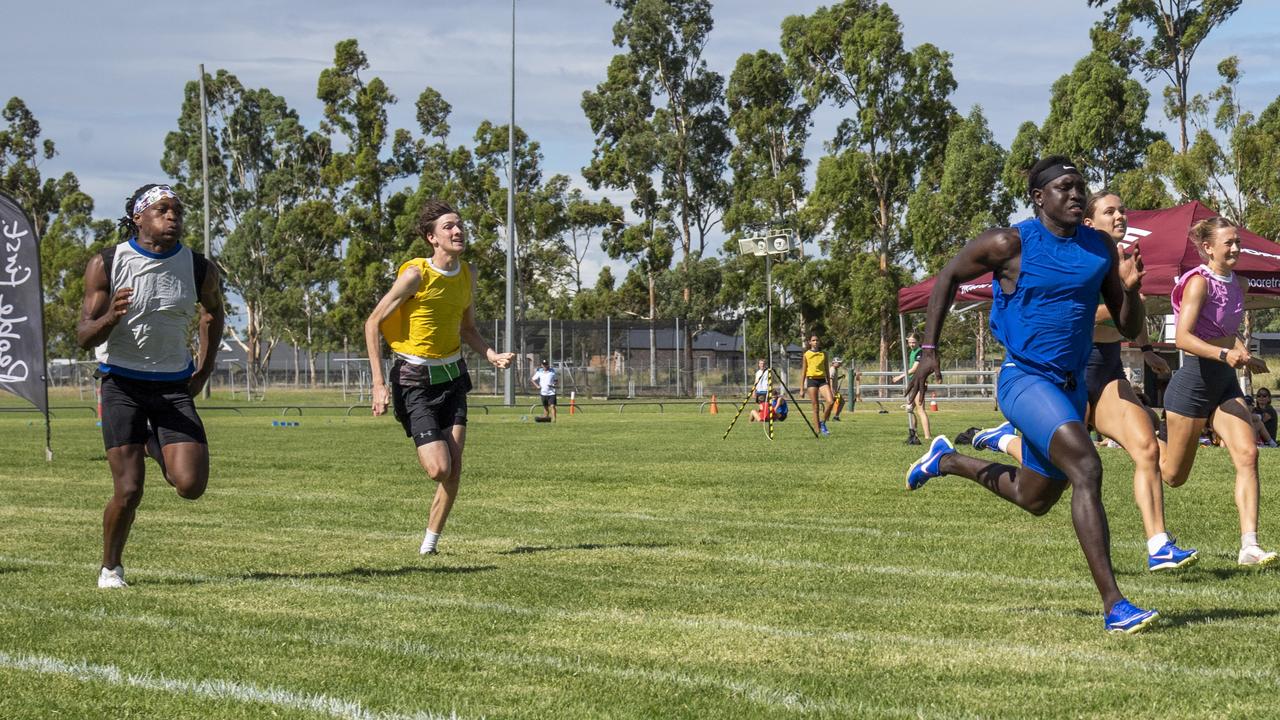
[{"x": 1222, "y": 355}]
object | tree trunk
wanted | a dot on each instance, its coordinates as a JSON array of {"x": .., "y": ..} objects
[
  {"x": 653, "y": 333},
  {"x": 886, "y": 320}
]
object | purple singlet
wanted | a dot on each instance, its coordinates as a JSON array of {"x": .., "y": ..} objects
[{"x": 1223, "y": 308}]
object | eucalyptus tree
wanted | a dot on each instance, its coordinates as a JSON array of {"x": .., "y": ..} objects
[
  {"x": 585, "y": 220},
  {"x": 1097, "y": 116},
  {"x": 957, "y": 203},
  {"x": 1261, "y": 143},
  {"x": 262, "y": 163},
  {"x": 1178, "y": 27},
  {"x": 363, "y": 172},
  {"x": 625, "y": 158},
  {"x": 665, "y": 40},
  {"x": 852, "y": 55},
  {"x": 61, "y": 213},
  {"x": 68, "y": 241},
  {"x": 21, "y": 152}
]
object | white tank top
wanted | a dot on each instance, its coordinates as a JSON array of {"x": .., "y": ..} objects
[{"x": 153, "y": 340}]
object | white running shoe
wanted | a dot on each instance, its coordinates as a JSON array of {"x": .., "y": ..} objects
[
  {"x": 429, "y": 544},
  {"x": 113, "y": 578},
  {"x": 1255, "y": 556}
]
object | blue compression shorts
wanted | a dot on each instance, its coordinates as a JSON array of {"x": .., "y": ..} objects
[{"x": 1037, "y": 406}]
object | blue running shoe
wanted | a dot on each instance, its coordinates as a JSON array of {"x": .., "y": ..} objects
[
  {"x": 1128, "y": 618},
  {"x": 1171, "y": 556},
  {"x": 989, "y": 439},
  {"x": 928, "y": 465},
  {"x": 823, "y": 427}
]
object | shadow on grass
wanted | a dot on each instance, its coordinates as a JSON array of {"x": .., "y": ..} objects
[
  {"x": 1226, "y": 573},
  {"x": 7, "y": 570},
  {"x": 362, "y": 572},
  {"x": 1194, "y": 617},
  {"x": 1066, "y": 612},
  {"x": 529, "y": 549}
]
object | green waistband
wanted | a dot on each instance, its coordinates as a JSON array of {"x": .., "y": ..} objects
[{"x": 443, "y": 373}]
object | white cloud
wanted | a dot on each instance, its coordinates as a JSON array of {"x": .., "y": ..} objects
[{"x": 107, "y": 87}]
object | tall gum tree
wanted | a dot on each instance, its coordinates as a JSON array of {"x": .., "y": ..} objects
[
  {"x": 1178, "y": 27},
  {"x": 364, "y": 170},
  {"x": 852, "y": 56},
  {"x": 1097, "y": 116},
  {"x": 262, "y": 162},
  {"x": 770, "y": 123},
  {"x": 956, "y": 204},
  {"x": 666, "y": 40},
  {"x": 625, "y": 157}
]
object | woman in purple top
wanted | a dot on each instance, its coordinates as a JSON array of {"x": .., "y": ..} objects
[{"x": 1208, "y": 305}]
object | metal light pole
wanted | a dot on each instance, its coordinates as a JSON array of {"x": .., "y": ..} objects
[
  {"x": 509, "y": 388},
  {"x": 204, "y": 182}
]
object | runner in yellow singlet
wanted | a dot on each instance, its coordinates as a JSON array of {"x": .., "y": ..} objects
[
  {"x": 815, "y": 374},
  {"x": 425, "y": 318}
]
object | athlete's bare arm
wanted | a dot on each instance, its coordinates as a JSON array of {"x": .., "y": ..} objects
[
  {"x": 212, "y": 320},
  {"x": 100, "y": 311},
  {"x": 404, "y": 288},
  {"x": 998, "y": 251},
  {"x": 1120, "y": 291},
  {"x": 472, "y": 337}
]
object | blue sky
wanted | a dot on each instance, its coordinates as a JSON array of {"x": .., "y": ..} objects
[{"x": 105, "y": 80}]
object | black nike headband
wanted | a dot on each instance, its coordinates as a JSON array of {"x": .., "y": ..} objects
[{"x": 1047, "y": 175}]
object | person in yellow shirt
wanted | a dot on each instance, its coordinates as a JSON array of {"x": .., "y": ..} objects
[
  {"x": 425, "y": 318},
  {"x": 815, "y": 373}
]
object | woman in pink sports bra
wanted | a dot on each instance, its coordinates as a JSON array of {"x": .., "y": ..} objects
[{"x": 1208, "y": 305}]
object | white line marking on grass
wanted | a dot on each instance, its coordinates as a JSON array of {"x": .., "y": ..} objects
[
  {"x": 744, "y": 690},
  {"x": 740, "y": 689},
  {"x": 217, "y": 689}
]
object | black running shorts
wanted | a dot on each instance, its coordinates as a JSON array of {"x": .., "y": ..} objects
[
  {"x": 548, "y": 401},
  {"x": 425, "y": 411},
  {"x": 128, "y": 405},
  {"x": 1105, "y": 367},
  {"x": 1200, "y": 386}
]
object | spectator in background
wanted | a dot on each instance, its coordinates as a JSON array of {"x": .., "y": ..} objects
[
  {"x": 775, "y": 408},
  {"x": 837, "y": 377},
  {"x": 915, "y": 406},
  {"x": 1266, "y": 413},
  {"x": 815, "y": 372},
  {"x": 761, "y": 381},
  {"x": 545, "y": 380}
]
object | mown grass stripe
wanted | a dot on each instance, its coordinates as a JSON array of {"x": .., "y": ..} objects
[{"x": 216, "y": 688}]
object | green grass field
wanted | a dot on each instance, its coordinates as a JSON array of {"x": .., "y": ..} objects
[{"x": 616, "y": 565}]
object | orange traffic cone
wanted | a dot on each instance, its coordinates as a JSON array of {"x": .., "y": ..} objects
[
  {"x": 714, "y": 408},
  {"x": 573, "y": 405},
  {"x": 933, "y": 403}
]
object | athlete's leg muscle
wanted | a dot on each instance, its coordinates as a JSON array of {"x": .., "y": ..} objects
[
  {"x": 447, "y": 490},
  {"x": 1072, "y": 450},
  {"x": 1179, "y": 451},
  {"x": 1233, "y": 424},
  {"x": 126, "y": 462},
  {"x": 188, "y": 468},
  {"x": 1021, "y": 486},
  {"x": 1120, "y": 416}
]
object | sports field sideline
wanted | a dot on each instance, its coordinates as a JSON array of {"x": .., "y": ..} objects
[{"x": 613, "y": 565}]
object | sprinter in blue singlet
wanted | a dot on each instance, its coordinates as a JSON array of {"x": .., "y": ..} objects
[{"x": 1049, "y": 272}]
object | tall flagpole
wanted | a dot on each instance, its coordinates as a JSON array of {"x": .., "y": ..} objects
[
  {"x": 204, "y": 183},
  {"x": 509, "y": 388}
]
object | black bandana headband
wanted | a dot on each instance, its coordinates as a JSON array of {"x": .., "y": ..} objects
[{"x": 1047, "y": 175}]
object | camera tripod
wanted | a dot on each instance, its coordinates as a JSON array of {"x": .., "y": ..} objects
[{"x": 773, "y": 376}]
